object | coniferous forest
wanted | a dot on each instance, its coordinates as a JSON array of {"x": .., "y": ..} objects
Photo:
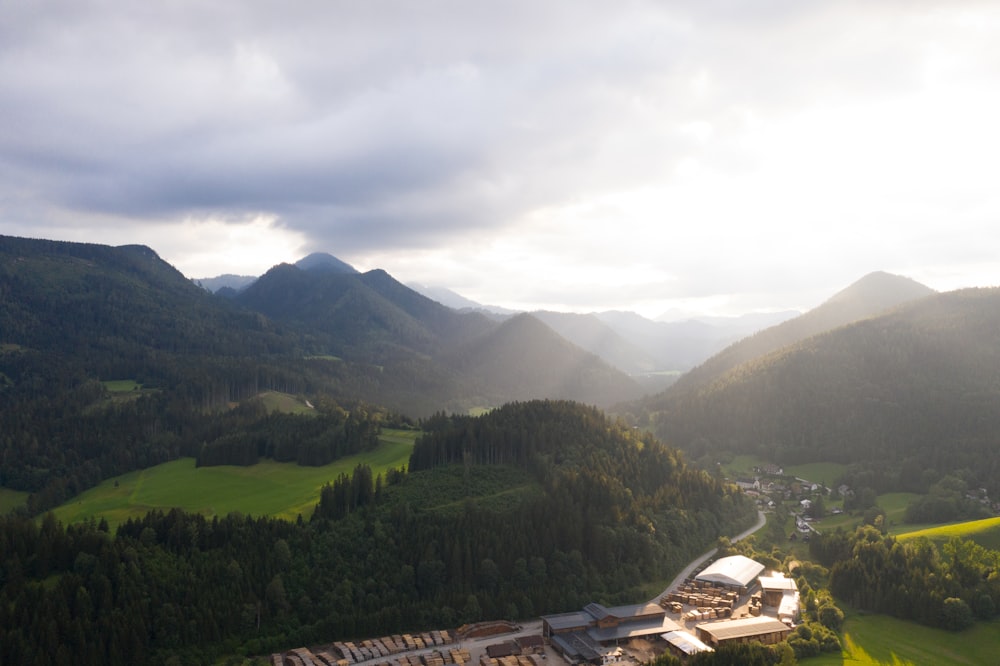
[{"x": 521, "y": 524}]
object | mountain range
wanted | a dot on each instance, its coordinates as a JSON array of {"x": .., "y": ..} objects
[
  {"x": 887, "y": 373},
  {"x": 654, "y": 353}
]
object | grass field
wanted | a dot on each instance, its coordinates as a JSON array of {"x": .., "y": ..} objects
[
  {"x": 121, "y": 385},
  {"x": 825, "y": 473},
  {"x": 985, "y": 532},
  {"x": 11, "y": 499},
  {"x": 283, "y": 490},
  {"x": 283, "y": 402},
  {"x": 878, "y": 640}
]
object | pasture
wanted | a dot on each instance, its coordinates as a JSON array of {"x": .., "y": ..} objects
[
  {"x": 985, "y": 532},
  {"x": 879, "y": 640},
  {"x": 121, "y": 385},
  {"x": 282, "y": 490},
  {"x": 825, "y": 473}
]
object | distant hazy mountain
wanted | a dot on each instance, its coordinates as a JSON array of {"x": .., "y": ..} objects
[
  {"x": 228, "y": 281},
  {"x": 318, "y": 261},
  {"x": 630, "y": 342},
  {"x": 456, "y": 301},
  {"x": 869, "y": 296},
  {"x": 589, "y": 332},
  {"x": 911, "y": 393},
  {"x": 524, "y": 355}
]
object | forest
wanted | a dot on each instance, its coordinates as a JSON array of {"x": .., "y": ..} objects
[
  {"x": 950, "y": 587},
  {"x": 907, "y": 396},
  {"x": 589, "y": 511}
]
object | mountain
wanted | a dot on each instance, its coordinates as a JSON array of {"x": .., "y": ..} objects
[
  {"x": 908, "y": 395},
  {"x": 236, "y": 283},
  {"x": 869, "y": 296},
  {"x": 523, "y": 356},
  {"x": 456, "y": 301},
  {"x": 78, "y": 321},
  {"x": 465, "y": 359},
  {"x": 229, "y": 285},
  {"x": 364, "y": 315},
  {"x": 589, "y": 332},
  {"x": 322, "y": 262}
]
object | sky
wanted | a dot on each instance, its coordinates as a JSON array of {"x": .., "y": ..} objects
[{"x": 696, "y": 156}]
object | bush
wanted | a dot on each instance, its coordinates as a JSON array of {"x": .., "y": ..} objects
[
  {"x": 831, "y": 617},
  {"x": 956, "y": 614}
]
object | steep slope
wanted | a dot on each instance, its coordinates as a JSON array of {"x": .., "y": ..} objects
[
  {"x": 322, "y": 262},
  {"x": 869, "y": 296},
  {"x": 364, "y": 316},
  {"x": 914, "y": 389},
  {"x": 590, "y": 333},
  {"x": 523, "y": 358},
  {"x": 111, "y": 304}
]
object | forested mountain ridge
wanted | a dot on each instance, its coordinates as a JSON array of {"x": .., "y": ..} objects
[
  {"x": 554, "y": 506},
  {"x": 74, "y": 316},
  {"x": 524, "y": 352},
  {"x": 870, "y": 296},
  {"x": 911, "y": 394}
]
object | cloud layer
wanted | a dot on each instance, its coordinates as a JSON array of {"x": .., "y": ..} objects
[{"x": 562, "y": 154}]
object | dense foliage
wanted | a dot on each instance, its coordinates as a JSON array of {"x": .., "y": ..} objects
[
  {"x": 912, "y": 579},
  {"x": 588, "y": 521}
]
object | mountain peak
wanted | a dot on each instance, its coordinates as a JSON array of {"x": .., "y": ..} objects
[
  {"x": 323, "y": 262},
  {"x": 878, "y": 291}
]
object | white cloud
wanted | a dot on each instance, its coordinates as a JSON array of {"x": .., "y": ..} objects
[{"x": 562, "y": 155}]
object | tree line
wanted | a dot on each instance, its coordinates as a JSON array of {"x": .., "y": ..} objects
[{"x": 912, "y": 579}]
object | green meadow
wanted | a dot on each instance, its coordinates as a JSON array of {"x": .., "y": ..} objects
[
  {"x": 825, "y": 473},
  {"x": 985, "y": 532},
  {"x": 283, "y": 402},
  {"x": 879, "y": 640},
  {"x": 283, "y": 490}
]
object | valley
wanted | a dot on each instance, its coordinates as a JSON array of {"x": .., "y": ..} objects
[{"x": 325, "y": 454}]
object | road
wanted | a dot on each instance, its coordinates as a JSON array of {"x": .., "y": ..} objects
[{"x": 689, "y": 569}]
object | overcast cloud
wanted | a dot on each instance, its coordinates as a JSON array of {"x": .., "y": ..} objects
[{"x": 714, "y": 156}]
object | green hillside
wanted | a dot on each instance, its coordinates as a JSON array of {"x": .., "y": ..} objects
[
  {"x": 907, "y": 397},
  {"x": 83, "y": 326},
  {"x": 985, "y": 532},
  {"x": 269, "y": 488}
]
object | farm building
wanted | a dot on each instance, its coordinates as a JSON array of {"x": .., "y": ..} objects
[
  {"x": 763, "y": 629},
  {"x": 582, "y": 636},
  {"x": 736, "y": 571}
]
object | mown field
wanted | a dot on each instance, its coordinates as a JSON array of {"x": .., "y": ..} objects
[
  {"x": 878, "y": 640},
  {"x": 283, "y": 490},
  {"x": 985, "y": 532}
]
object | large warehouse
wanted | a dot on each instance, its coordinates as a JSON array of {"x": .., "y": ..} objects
[{"x": 736, "y": 571}]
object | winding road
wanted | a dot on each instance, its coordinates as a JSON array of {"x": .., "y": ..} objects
[{"x": 689, "y": 569}]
